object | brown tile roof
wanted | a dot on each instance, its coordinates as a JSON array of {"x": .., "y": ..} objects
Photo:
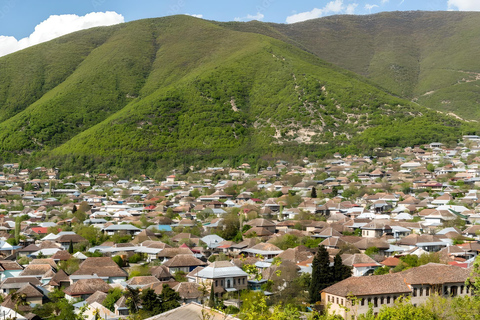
[
  {"x": 260, "y": 222},
  {"x": 32, "y": 280},
  {"x": 98, "y": 296},
  {"x": 75, "y": 238},
  {"x": 264, "y": 246},
  {"x": 29, "y": 248},
  {"x": 45, "y": 261},
  {"x": 366, "y": 243},
  {"x": 295, "y": 255},
  {"x": 412, "y": 239},
  {"x": 36, "y": 270},
  {"x": 62, "y": 255},
  {"x": 10, "y": 265},
  {"x": 158, "y": 287},
  {"x": 188, "y": 290},
  {"x": 184, "y": 260},
  {"x": 435, "y": 273},
  {"x": 142, "y": 280},
  {"x": 30, "y": 291},
  {"x": 48, "y": 244},
  {"x": 59, "y": 277},
  {"x": 372, "y": 285},
  {"x": 356, "y": 259},
  {"x": 172, "y": 252},
  {"x": 397, "y": 283},
  {"x": 160, "y": 272},
  {"x": 391, "y": 262},
  {"x": 259, "y": 231},
  {"x": 101, "y": 266},
  {"x": 87, "y": 286}
]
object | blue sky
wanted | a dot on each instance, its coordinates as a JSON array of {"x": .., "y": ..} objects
[{"x": 19, "y": 18}]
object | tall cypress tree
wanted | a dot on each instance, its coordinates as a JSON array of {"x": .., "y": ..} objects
[
  {"x": 340, "y": 271},
  {"x": 313, "y": 194},
  {"x": 211, "y": 302},
  {"x": 321, "y": 274},
  {"x": 70, "y": 247}
]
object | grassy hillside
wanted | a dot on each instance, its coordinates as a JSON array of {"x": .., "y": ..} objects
[
  {"x": 429, "y": 57},
  {"x": 178, "y": 90}
]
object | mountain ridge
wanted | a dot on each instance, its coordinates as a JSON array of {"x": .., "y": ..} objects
[
  {"x": 178, "y": 90},
  {"x": 399, "y": 50}
]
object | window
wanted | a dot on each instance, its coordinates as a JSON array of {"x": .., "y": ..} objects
[
  {"x": 421, "y": 292},
  {"x": 337, "y": 300},
  {"x": 233, "y": 281},
  {"x": 461, "y": 289},
  {"x": 216, "y": 283},
  {"x": 341, "y": 302},
  {"x": 388, "y": 299},
  {"x": 415, "y": 292},
  {"x": 222, "y": 283},
  {"x": 427, "y": 291},
  {"x": 375, "y": 302}
]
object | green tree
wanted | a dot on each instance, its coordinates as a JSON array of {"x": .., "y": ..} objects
[
  {"x": 313, "y": 193},
  {"x": 211, "y": 301},
  {"x": 112, "y": 297},
  {"x": 430, "y": 167},
  {"x": 132, "y": 300},
  {"x": 321, "y": 274},
  {"x": 371, "y": 251},
  {"x": 340, "y": 271},
  {"x": 70, "y": 247},
  {"x": 151, "y": 302},
  {"x": 169, "y": 298}
]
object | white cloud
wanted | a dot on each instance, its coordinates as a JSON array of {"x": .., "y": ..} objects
[
  {"x": 384, "y": 1},
  {"x": 333, "y": 7},
  {"x": 196, "y": 15},
  {"x": 351, "y": 8},
  {"x": 369, "y": 7},
  {"x": 259, "y": 16},
  {"x": 59, "y": 25},
  {"x": 464, "y": 5}
]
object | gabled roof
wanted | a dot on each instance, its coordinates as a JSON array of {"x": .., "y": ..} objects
[
  {"x": 36, "y": 270},
  {"x": 87, "y": 286},
  {"x": 45, "y": 261},
  {"x": 188, "y": 290},
  {"x": 372, "y": 285},
  {"x": 260, "y": 222},
  {"x": 192, "y": 311},
  {"x": 59, "y": 277},
  {"x": 358, "y": 259},
  {"x": 62, "y": 255},
  {"x": 172, "y": 252},
  {"x": 101, "y": 266},
  {"x": 30, "y": 291},
  {"x": 160, "y": 272},
  {"x": 142, "y": 280},
  {"x": 10, "y": 265},
  {"x": 98, "y": 296},
  {"x": 184, "y": 260}
]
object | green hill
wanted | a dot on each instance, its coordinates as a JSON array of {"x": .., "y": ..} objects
[
  {"x": 178, "y": 90},
  {"x": 428, "y": 57}
]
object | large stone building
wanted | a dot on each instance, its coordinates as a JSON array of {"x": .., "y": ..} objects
[{"x": 351, "y": 297}]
